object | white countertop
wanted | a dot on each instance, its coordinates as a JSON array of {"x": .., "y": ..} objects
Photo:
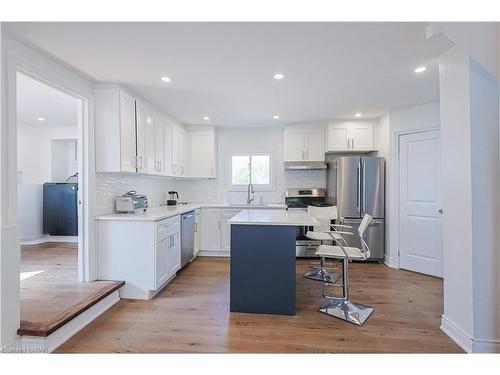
[
  {"x": 164, "y": 212},
  {"x": 274, "y": 217}
]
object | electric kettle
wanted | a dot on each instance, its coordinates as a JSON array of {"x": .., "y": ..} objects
[{"x": 172, "y": 195}]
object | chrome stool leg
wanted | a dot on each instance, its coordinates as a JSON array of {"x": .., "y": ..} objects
[
  {"x": 322, "y": 274},
  {"x": 343, "y": 308}
]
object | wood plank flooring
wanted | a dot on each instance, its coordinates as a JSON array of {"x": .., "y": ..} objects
[
  {"x": 50, "y": 292},
  {"x": 191, "y": 315}
]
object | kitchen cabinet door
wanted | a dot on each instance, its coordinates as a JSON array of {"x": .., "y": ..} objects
[
  {"x": 315, "y": 144},
  {"x": 211, "y": 229},
  {"x": 167, "y": 143},
  {"x": 175, "y": 150},
  {"x": 294, "y": 147},
  {"x": 149, "y": 141},
  {"x": 226, "y": 228},
  {"x": 141, "y": 137},
  {"x": 339, "y": 136},
  {"x": 127, "y": 133},
  {"x": 362, "y": 136},
  {"x": 197, "y": 233},
  {"x": 201, "y": 158},
  {"x": 174, "y": 253},
  {"x": 182, "y": 152},
  {"x": 162, "y": 269},
  {"x": 159, "y": 164}
]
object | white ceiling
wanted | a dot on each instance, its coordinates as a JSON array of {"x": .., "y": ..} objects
[
  {"x": 36, "y": 99},
  {"x": 224, "y": 70}
]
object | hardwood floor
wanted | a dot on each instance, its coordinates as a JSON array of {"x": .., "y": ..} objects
[
  {"x": 50, "y": 292},
  {"x": 191, "y": 315}
]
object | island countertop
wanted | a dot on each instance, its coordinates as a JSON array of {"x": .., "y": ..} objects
[{"x": 273, "y": 217}]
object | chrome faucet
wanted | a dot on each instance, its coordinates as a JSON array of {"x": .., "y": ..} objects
[{"x": 250, "y": 189}]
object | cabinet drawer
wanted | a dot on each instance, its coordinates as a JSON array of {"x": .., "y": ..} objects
[{"x": 168, "y": 226}]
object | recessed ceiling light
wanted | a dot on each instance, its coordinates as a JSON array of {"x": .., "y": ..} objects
[
  {"x": 276, "y": 117},
  {"x": 420, "y": 69},
  {"x": 279, "y": 76},
  {"x": 40, "y": 119},
  {"x": 166, "y": 79},
  {"x": 358, "y": 115},
  {"x": 206, "y": 118}
]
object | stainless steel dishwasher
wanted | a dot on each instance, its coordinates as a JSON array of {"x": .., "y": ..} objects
[{"x": 187, "y": 237}]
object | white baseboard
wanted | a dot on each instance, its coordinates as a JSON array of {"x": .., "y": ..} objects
[
  {"x": 35, "y": 344},
  {"x": 467, "y": 343},
  {"x": 48, "y": 238},
  {"x": 209, "y": 253},
  {"x": 461, "y": 338},
  {"x": 391, "y": 262}
]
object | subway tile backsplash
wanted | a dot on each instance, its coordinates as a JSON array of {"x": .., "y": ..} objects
[{"x": 111, "y": 185}]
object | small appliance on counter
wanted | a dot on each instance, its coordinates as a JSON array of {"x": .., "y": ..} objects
[
  {"x": 131, "y": 203},
  {"x": 172, "y": 195}
]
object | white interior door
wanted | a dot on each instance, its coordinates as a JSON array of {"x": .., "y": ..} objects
[{"x": 420, "y": 242}]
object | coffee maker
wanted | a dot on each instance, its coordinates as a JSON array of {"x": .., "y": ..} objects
[{"x": 172, "y": 195}]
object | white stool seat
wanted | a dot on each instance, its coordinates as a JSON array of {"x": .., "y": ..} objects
[
  {"x": 321, "y": 236},
  {"x": 328, "y": 251}
]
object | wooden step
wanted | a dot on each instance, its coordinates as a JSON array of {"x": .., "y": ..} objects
[{"x": 45, "y": 328}]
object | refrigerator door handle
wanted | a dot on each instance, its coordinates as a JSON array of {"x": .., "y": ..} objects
[
  {"x": 358, "y": 195},
  {"x": 364, "y": 189}
]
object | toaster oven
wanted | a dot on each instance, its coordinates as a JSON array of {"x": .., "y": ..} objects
[{"x": 131, "y": 203}]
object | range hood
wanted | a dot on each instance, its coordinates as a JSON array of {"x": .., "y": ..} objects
[{"x": 304, "y": 165}]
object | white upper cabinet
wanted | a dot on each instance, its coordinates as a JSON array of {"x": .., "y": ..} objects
[
  {"x": 350, "y": 136},
  {"x": 146, "y": 143},
  {"x": 131, "y": 136},
  {"x": 201, "y": 152},
  {"x": 114, "y": 111},
  {"x": 304, "y": 143}
]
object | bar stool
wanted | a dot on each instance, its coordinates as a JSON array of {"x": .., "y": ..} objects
[
  {"x": 343, "y": 308},
  {"x": 321, "y": 233}
]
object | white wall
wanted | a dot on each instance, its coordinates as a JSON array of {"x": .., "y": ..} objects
[
  {"x": 34, "y": 168},
  {"x": 34, "y": 150},
  {"x": 470, "y": 170},
  {"x": 390, "y": 126}
]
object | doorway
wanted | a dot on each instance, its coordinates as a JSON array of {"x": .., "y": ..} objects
[
  {"x": 420, "y": 241},
  {"x": 48, "y": 198}
]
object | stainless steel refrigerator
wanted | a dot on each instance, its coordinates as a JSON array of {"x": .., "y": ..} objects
[{"x": 356, "y": 185}]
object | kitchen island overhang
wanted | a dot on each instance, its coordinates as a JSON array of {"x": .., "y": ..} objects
[{"x": 263, "y": 274}]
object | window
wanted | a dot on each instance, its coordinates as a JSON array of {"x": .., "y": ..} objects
[{"x": 254, "y": 168}]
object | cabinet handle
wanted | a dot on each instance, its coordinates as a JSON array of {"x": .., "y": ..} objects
[
  {"x": 348, "y": 144},
  {"x": 307, "y": 154},
  {"x": 196, "y": 227},
  {"x": 211, "y": 171},
  {"x": 219, "y": 224},
  {"x": 353, "y": 143}
]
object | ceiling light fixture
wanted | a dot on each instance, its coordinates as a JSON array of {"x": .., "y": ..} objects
[
  {"x": 279, "y": 76},
  {"x": 276, "y": 117},
  {"x": 166, "y": 79},
  {"x": 40, "y": 119},
  {"x": 206, "y": 118},
  {"x": 420, "y": 69},
  {"x": 358, "y": 115}
]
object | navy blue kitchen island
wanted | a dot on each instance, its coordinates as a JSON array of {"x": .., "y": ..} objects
[{"x": 263, "y": 260}]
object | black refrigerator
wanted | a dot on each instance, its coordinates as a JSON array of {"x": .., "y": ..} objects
[
  {"x": 60, "y": 209},
  {"x": 356, "y": 185}
]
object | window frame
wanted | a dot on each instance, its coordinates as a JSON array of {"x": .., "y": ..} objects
[{"x": 257, "y": 187}]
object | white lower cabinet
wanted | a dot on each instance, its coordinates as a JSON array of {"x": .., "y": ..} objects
[
  {"x": 226, "y": 228},
  {"x": 210, "y": 229},
  {"x": 197, "y": 231},
  {"x": 216, "y": 231},
  {"x": 144, "y": 254}
]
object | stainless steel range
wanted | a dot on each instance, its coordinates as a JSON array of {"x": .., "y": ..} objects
[{"x": 299, "y": 199}]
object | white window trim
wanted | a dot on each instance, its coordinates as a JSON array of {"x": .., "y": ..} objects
[{"x": 257, "y": 187}]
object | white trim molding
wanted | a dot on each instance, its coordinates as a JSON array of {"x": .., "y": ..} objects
[{"x": 467, "y": 343}]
